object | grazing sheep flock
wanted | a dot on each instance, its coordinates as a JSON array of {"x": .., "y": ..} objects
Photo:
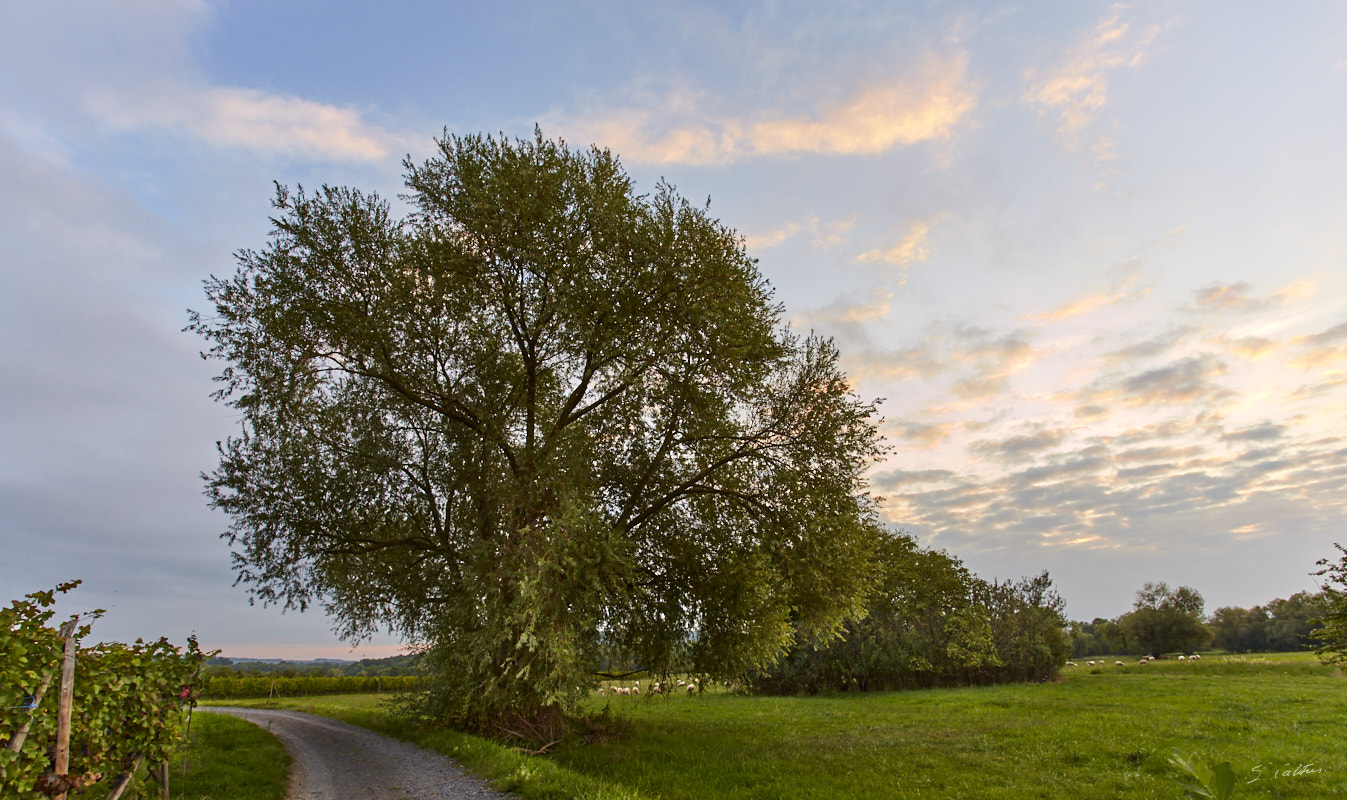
[
  {"x": 1144, "y": 660},
  {"x": 655, "y": 687},
  {"x": 692, "y": 687}
]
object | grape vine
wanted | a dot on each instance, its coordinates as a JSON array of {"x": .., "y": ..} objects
[{"x": 130, "y": 703}]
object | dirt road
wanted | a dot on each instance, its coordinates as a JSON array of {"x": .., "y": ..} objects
[{"x": 336, "y": 761}]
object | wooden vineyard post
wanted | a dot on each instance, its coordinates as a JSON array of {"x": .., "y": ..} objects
[{"x": 67, "y": 700}]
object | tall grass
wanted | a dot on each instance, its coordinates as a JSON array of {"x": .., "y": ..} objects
[{"x": 227, "y": 758}]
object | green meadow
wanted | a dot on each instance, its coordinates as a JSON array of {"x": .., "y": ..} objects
[{"x": 1280, "y": 720}]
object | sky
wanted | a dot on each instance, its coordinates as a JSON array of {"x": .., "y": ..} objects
[{"x": 1093, "y": 257}]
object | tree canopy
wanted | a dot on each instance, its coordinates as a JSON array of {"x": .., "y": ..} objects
[
  {"x": 1165, "y": 620},
  {"x": 542, "y": 424},
  {"x": 931, "y": 622},
  {"x": 1331, "y": 636}
]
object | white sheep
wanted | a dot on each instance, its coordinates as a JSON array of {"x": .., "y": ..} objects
[
  {"x": 1091, "y": 663},
  {"x": 1180, "y": 658},
  {"x": 1118, "y": 664},
  {"x": 1194, "y": 657}
]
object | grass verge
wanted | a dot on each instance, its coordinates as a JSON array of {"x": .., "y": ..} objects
[{"x": 227, "y": 758}]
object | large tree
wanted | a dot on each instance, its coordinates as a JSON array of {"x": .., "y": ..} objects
[
  {"x": 543, "y": 425},
  {"x": 1164, "y": 620}
]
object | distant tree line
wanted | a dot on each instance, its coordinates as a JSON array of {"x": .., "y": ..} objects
[
  {"x": 930, "y": 622},
  {"x": 1165, "y": 620},
  {"x": 224, "y": 687},
  {"x": 369, "y": 667},
  {"x": 1280, "y": 626}
]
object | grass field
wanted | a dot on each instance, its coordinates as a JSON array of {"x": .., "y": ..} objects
[
  {"x": 227, "y": 758},
  {"x": 1102, "y": 732}
]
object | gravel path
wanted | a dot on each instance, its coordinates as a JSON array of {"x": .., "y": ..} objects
[{"x": 336, "y": 761}]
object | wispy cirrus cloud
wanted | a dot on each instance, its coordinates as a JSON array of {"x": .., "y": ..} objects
[
  {"x": 822, "y": 234},
  {"x": 878, "y": 366},
  {"x": 676, "y": 126},
  {"x": 1249, "y": 348},
  {"x": 912, "y": 247},
  {"x": 1075, "y": 89},
  {"x": 923, "y": 435},
  {"x": 1125, "y": 289},
  {"x": 1235, "y": 298},
  {"x": 1320, "y": 350},
  {"x": 993, "y": 362},
  {"x": 253, "y": 120}
]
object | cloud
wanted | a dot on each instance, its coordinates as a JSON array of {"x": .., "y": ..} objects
[
  {"x": 1234, "y": 298},
  {"x": 924, "y": 435},
  {"x": 1091, "y": 412},
  {"x": 1265, "y": 432},
  {"x": 1170, "y": 455},
  {"x": 1119, "y": 291},
  {"x": 1335, "y": 334},
  {"x": 874, "y": 120},
  {"x": 823, "y": 235},
  {"x": 764, "y": 241},
  {"x": 1188, "y": 380},
  {"x": 1150, "y": 348},
  {"x": 1321, "y": 357},
  {"x": 1183, "y": 381},
  {"x": 264, "y": 123},
  {"x": 918, "y": 361},
  {"x": 1249, "y": 348},
  {"x": 1076, "y": 88},
  {"x": 1318, "y": 349},
  {"x": 1309, "y": 391},
  {"x": 674, "y": 127},
  {"x": 1066, "y": 498},
  {"x": 1076, "y": 308},
  {"x": 132, "y": 68},
  {"x": 995, "y": 361},
  {"x": 846, "y": 317},
  {"x": 912, "y": 247},
  {"x": 894, "y": 479},
  {"x": 1019, "y": 448}
]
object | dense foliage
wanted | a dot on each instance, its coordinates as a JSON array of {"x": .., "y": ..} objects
[
  {"x": 1162, "y": 620},
  {"x": 1165, "y": 620},
  {"x": 1281, "y": 626},
  {"x": 128, "y": 708},
  {"x": 932, "y": 623},
  {"x": 1331, "y": 636},
  {"x": 540, "y": 424}
]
